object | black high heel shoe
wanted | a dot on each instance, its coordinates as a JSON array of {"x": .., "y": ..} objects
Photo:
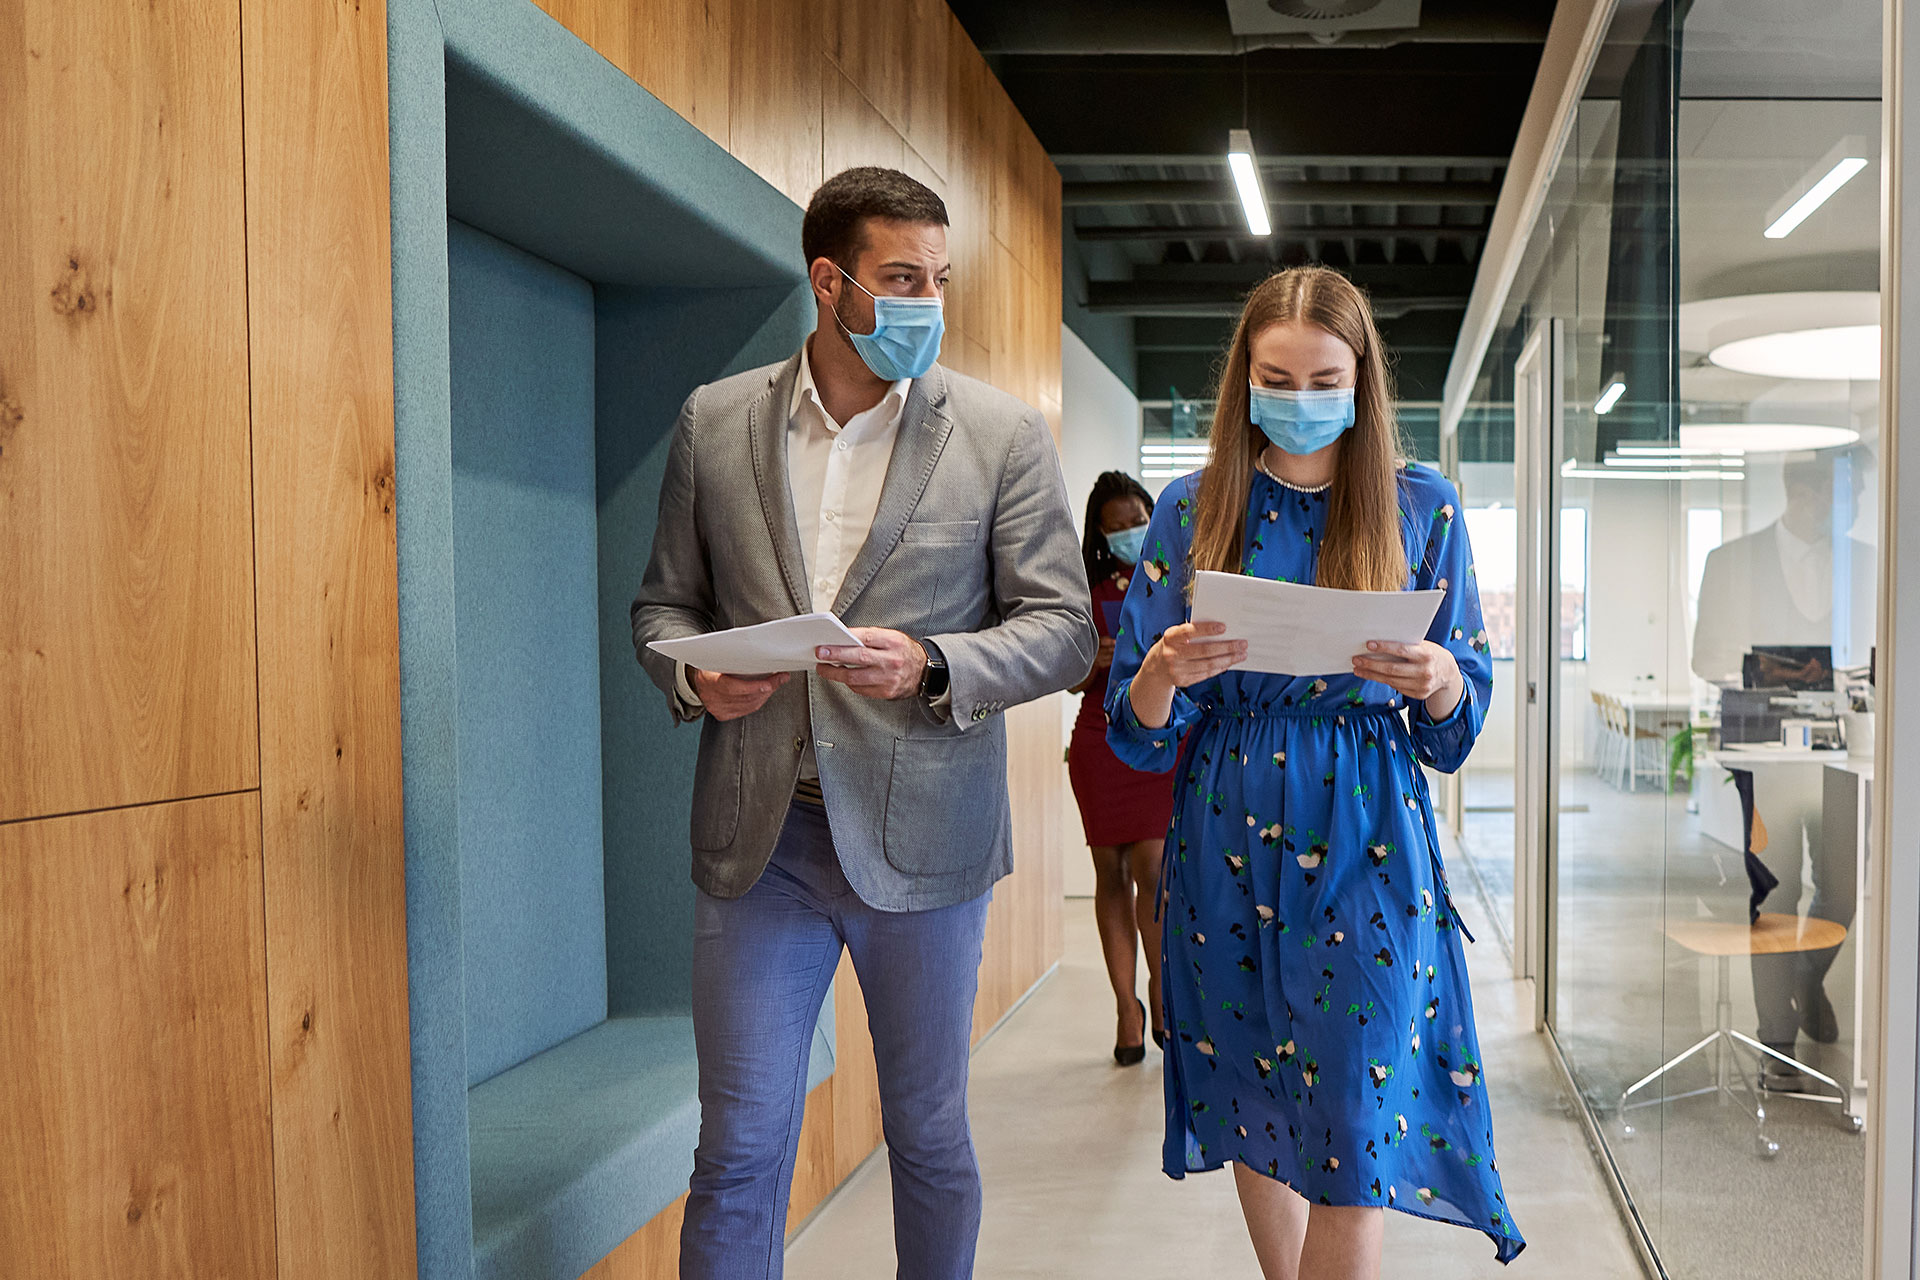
[{"x": 1132, "y": 1055}]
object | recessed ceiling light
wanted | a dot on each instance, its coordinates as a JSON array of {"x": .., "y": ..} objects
[
  {"x": 1840, "y": 352},
  {"x": 1764, "y": 437},
  {"x": 1610, "y": 397}
]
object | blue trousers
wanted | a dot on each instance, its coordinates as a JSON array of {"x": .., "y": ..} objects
[{"x": 762, "y": 964}]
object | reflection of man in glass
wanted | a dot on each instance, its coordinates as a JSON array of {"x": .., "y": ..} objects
[{"x": 1800, "y": 581}]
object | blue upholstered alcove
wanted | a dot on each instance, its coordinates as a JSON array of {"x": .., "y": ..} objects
[{"x": 571, "y": 258}]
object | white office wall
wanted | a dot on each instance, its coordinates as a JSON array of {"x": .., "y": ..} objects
[
  {"x": 1099, "y": 431},
  {"x": 1099, "y": 421}
]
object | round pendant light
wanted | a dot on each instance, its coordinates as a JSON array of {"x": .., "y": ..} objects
[
  {"x": 1848, "y": 352},
  {"x": 1764, "y": 437}
]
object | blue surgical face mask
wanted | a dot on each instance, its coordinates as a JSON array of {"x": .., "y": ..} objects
[
  {"x": 1301, "y": 421},
  {"x": 906, "y": 333},
  {"x": 1126, "y": 544}
]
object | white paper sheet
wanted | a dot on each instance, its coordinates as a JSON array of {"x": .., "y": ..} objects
[
  {"x": 785, "y": 644},
  {"x": 1298, "y": 630}
]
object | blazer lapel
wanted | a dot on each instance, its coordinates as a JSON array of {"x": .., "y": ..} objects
[
  {"x": 924, "y": 427},
  {"x": 767, "y": 442}
]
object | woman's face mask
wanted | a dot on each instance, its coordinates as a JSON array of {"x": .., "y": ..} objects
[
  {"x": 1126, "y": 544},
  {"x": 1301, "y": 421},
  {"x": 906, "y": 333}
]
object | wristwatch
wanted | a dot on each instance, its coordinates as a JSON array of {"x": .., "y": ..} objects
[{"x": 933, "y": 681}]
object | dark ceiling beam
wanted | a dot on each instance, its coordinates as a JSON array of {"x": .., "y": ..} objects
[
  {"x": 1290, "y": 234},
  {"x": 1153, "y": 26},
  {"x": 1285, "y": 194},
  {"x": 1067, "y": 159},
  {"x": 1422, "y": 330},
  {"x": 1382, "y": 278},
  {"x": 1208, "y": 298},
  {"x": 1300, "y": 104}
]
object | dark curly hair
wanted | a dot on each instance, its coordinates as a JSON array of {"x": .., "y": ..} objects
[{"x": 1093, "y": 545}]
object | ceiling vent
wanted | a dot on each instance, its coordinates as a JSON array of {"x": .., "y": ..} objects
[{"x": 1327, "y": 19}]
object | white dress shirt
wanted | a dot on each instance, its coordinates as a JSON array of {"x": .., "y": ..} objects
[
  {"x": 834, "y": 474},
  {"x": 1808, "y": 569}
]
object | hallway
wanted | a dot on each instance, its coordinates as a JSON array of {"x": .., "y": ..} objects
[{"x": 1069, "y": 1149}]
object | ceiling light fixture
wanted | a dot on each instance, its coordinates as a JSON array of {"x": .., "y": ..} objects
[
  {"x": 1849, "y": 353},
  {"x": 1611, "y": 396},
  {"x": 1764, "y": 437},
  {"x": 1246, "y": 178},
  {"x": 1834, "y": 170},
  {"x": 1571, "y": 470}
]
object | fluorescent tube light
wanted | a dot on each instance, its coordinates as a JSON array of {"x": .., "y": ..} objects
[
  {"x": 1833, "y": 171},
  {"x": 1246, "y": 177},
  {"x": 1610, "y": 397}
]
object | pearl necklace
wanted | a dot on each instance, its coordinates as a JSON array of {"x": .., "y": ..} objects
[{"x": 1261, "y": 463}]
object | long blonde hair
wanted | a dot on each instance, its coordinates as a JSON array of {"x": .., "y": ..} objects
[{"x": 1362, "y": 548}]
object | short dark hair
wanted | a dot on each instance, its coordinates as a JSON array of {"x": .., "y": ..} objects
[{"x": 834, "y": 226}]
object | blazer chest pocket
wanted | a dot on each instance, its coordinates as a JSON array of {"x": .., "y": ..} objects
[{"x": 941, "y": 533}]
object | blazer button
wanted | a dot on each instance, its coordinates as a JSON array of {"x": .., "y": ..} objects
[{"x": 799, "y": 744}]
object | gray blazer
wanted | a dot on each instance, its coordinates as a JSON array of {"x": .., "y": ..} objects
[{"x": 972, "y": 547}]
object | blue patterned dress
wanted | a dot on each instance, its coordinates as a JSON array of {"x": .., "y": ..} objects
[{"x": 1316, "y": 994}]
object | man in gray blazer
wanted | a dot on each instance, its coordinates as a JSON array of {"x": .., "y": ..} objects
[{"x": 863, "y": 805}]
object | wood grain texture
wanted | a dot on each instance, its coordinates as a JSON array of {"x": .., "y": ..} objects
[
  {"x": 852, "y": 132},
  {"x": 319, "y": 278},
  {"x": 856, "y": 1080},
  {"x": 677, "y": 50},
  {"x": 970, "y": 164},
  {"x": 133, "y": 1039},
  {"x": 777, "y": 72},
  {"x": 871, "y": 42},
  {"x": 815, "y": 1173},
  {"x": 126, "y": 575},
  {"x": 651, "y": 1253}
]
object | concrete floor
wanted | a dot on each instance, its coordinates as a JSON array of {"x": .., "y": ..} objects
[{"x": 1070, "y": 1153}]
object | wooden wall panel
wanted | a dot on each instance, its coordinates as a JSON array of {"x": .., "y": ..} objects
[
  {"x": 680, "y": 50},
  {"x": 852, "y": 131},
  {"x": 856, "y": 1081},
  {"x": 971, "y": 161},
  {"x": 815, "y": 1169},
  {"x": 872, "y": 43},
  {"x": 126, "y": 582},
  {"x": 133, "y": 1042},
  {"x": 322, "y": 382},
  {"x": 777, "y": 74},
  {"x": 651, "y": 1253}
]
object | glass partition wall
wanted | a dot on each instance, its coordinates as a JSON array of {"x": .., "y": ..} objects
[{"x": 1689, "y": 363}]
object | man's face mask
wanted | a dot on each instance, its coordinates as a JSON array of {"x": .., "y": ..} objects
[{"x": 906, "y": 333}]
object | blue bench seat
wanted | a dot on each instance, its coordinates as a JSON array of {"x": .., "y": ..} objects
[{"x": 578, "y": 1147}]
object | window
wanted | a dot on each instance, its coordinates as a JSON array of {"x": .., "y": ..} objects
[{"x": 1495, "y": 534}]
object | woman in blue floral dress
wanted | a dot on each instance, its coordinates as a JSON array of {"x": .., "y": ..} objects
[{"x": 1321, "y": 1033}]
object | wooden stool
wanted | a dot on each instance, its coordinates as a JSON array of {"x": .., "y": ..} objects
[{"x": 1773, "y": 934}]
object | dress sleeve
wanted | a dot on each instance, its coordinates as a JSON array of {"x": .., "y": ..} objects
[
  {"x": 1446, "y": 564},
  {"x": 1156, "y": 599}
]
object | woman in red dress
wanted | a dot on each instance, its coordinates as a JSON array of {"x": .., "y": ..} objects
[{"x": 1125, "y": 813}]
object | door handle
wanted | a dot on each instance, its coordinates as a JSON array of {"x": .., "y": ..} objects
[{"x": 1533, "y": 692}]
